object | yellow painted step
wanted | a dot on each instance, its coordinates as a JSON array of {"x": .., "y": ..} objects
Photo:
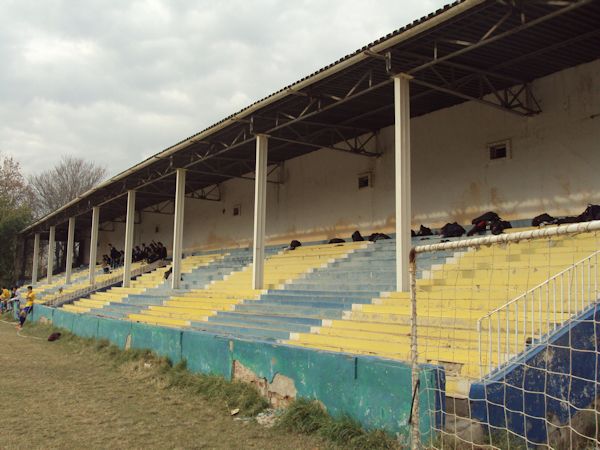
[
  {"x": 163, "y": 321},
  {"x": 192, "y": 310},
  {"x": 204, "y": 302},
  {"x": 461, "y": 357},
  {"x": 199, "y": 316},
  {"x": 87, "y": 303},
  {"x": 75, "y": 308}
]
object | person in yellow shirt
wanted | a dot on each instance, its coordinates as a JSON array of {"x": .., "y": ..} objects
[
  {"x": 29, "y": 301},
  {"x": 4, "y": 298}
]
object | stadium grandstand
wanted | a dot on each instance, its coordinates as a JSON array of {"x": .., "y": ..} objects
[{"x": 443, "y": 338}]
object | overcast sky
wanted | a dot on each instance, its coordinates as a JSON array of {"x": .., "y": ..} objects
[{"x": 117, "y": 81}]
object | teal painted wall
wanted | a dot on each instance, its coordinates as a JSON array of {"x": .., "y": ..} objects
[
  {"x": 86, "y": 326},
  {"x": 163, "y": 341},
  {"x": 116, "y": 331},
  {"x": 374, "y": 391},
  {"x": 206, "y": 353}
]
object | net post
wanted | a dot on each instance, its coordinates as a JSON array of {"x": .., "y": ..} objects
[{"x": 414, "y": 424}]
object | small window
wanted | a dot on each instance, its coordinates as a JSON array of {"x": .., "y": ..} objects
[
  {"x": 364, "y": 180},
  {"x": 237, "y": 210},
  {"x": 499, "y": 150}
]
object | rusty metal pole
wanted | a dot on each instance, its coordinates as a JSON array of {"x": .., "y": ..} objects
[{"x": 414, "y": 424}]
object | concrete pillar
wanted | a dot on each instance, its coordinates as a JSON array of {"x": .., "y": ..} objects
[
  {"x": 51, "y": 250},
  {"x": 178, "y": 228},
  {"x": 402, "y": 177},
  {"x": 70, "y": 250},
  {"x": 94, "y": 243},
  {"x": 260, "y": 211},
  {"x": 128, "y": 238},
  {"x": 36, "y": 257}
]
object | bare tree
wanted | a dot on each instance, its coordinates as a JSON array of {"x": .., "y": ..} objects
[{"x": 59, "y": 185}]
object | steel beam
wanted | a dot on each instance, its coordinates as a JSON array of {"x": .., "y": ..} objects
[
  {"x": 260, "y": 211},
  {"x": 402, "y": 179},
  {"x": 94, "y": 244},
  {"x": 178, "y": 229},
  {"x": 70, "y": 250},
  {"x": 36, "y": 257},
  {"x": 128, "y": 250},
  {"x": 51, "y": 250}
]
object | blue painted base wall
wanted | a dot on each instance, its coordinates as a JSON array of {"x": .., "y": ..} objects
[
  {"x": 374, "y": 391},
  {"x": 552, "y": 381}
]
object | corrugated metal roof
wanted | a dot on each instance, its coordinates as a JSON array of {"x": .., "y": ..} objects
[{"x": 545, "y": 43}]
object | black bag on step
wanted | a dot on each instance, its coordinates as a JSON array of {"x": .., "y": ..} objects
[
  {"x": 336, "y": 241},
  {"x": 489, "y": 216},
  {"x": 499, "y": 226},
  {"x": 567, "y": 219},
  {"x": 452, "y": 230},
  {"x": 592, "y": 212},
  {"x": 478, "y": 228},
  {"x": 378, "y": 237},
  {"x": 424, "y": 231},
  {"x": 357, "y": 237},
  {"x": 542, "y": 219}
]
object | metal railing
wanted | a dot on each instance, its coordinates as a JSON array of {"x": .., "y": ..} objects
[
  {"x": 91, "y": 288},
  {"x": 527, "y": 320}
]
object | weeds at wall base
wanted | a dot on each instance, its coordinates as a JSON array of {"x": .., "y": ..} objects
[{"x": 308, "y": 417}]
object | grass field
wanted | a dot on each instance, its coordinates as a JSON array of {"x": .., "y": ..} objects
[{"x": 67, "y": 395}]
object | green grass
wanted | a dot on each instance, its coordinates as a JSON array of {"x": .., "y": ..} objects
[
  {"x": 147, "y": 366},
  {"x": 7, "y": 317},
  {"x": 308, "y": 417}
]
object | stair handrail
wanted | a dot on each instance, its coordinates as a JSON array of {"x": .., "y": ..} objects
[
  {"x": 576, "y": 303},
  {"x": 90, "y": 288}
]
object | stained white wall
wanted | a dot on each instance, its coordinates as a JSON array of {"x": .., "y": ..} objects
[{"x": 553, "y": 168}]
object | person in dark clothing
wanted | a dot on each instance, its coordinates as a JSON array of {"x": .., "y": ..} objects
[
  {"x": 162, "y": 251},
  {"x": 114, "y": 255}
]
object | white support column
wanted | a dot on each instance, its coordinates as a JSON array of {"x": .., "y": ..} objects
[
  {"x": 51, "y": 250},
  {"x": 260, "y": 211},
  {"x": 94, "y": 243},
  {"x": 178, "y": 228},
  {"x": 128, "y": 238},
  {"x": 36, "y": 257},
  {"x": 402, "y": 177},
  {"x": 70, "y": 250}
]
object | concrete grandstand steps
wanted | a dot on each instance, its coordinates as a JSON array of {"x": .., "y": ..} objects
[
  {"x": 324, "y": 293},
  {"x": 235, "y": 289}
]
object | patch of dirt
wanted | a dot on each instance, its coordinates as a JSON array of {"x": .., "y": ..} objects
[{"x": 57, "y": 396}]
